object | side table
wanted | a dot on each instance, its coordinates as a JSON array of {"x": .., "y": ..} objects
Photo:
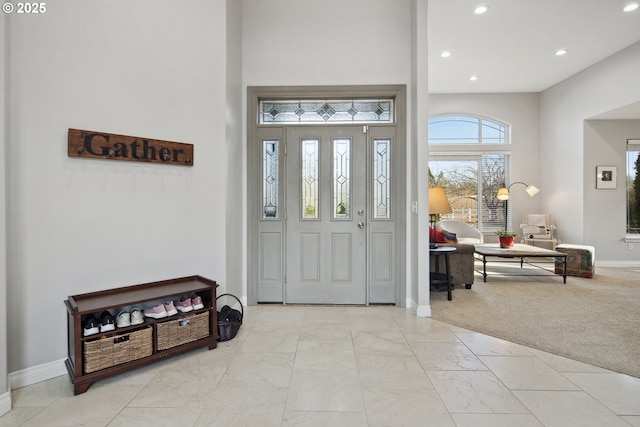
[{"x": 436, "y": 277}]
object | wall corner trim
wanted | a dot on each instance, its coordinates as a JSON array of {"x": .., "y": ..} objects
[
  {"x": 5, "y": 403},
  {"x": 37, "y": 374},
  {"x": 423, "y": 311}
]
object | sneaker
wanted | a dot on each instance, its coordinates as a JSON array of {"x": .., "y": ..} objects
[
  {"x": 123, "y": 319},
  {"x": 157, "y": 312},
  {"x": 90, "y": 325},
  {"x": 184, "y": 305},
  {"x": 170, "y": 308},
  {"x": 136, "y": 317},
  {"x": 196, "y": 302},
  {"x": 107, "y": 322}
]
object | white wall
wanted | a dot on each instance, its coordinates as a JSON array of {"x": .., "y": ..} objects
[
  {"x": 154, "y": 69},
  {"x": 235, "y": 198},
  {"x": 610, "y": 84},
  {"x": 334, "y": 42},
  {"x": 309, "y": 43},
  {"x": 605, "y": 143},
  {"x": 418, "y": 152},
  {"x": 150, "y": 68},
  {"x": 520, "y": 110}
]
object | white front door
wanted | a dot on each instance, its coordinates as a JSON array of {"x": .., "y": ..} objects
[{"x": 326, "y": 215}]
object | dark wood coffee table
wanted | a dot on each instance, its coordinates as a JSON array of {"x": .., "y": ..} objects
[{"x": 519, "y": 251}]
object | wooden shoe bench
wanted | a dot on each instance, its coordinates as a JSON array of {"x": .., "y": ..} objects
[{"x": 98, "y": 356}]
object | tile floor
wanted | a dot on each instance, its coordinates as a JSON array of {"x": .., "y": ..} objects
[{"x": 344, "y": 366}]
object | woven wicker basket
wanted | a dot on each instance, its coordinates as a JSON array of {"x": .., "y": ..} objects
[
  {"x": 110, "y": 351},
  {"x": 228, "y": 329},
  {"x": 183, "y": 330}
]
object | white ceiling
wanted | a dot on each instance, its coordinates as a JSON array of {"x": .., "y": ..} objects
[{"x": 511, "y": 48}]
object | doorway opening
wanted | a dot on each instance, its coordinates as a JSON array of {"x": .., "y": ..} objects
[{"x": 326, "y": 195}]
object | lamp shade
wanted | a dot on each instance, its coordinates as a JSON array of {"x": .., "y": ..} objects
[
  {"x": 438, "y": 202},
  {"x": 503, "y": 194},
  {"x": 532, "y": 190}
]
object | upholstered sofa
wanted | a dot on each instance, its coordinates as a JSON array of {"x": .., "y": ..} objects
[
  {"x": 461, "y": 261},
  {"x": 460, "y": 264}
]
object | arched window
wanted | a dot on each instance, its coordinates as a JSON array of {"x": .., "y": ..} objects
[
  {"x": 469, "y": 158},
  {"x": 465, "y": 130}
]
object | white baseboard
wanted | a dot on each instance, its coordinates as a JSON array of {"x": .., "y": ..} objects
[
  {"x": 608, "y": 263},
  {"x": 37, "y": 374},
  {"x": 5, "y": 403},
  {"x": 423, "y": 311}
]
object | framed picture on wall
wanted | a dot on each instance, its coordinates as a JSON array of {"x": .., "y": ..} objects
[{"x": 606, "y": 177}]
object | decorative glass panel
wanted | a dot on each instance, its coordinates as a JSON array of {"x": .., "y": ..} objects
[
  {"x": 327, "y": 111},
  {"x": 382, "y": 179},
  {"x": 341, "y": 178},
  {"x": 309, "y": 178},
  {"x": 270, "y": 179}
]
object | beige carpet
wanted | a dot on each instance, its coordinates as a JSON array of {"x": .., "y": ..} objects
[{"x": 596, "y": 320}]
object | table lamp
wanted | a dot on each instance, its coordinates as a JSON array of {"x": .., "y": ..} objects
[{"x": 438, "y": 204}]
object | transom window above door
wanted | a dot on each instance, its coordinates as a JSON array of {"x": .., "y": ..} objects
[{"x": 353, "y": 111}]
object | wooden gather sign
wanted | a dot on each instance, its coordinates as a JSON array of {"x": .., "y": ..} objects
[{"x": 101, "y": 145}]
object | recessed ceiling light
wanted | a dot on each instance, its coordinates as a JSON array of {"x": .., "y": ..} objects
[
  {"x": 561, "y": 52},
  {"x": 473, "y": 78},
  {"x": 445, "y": 54},
  {"x": 480, "y": 10},
  {"x": 630, "y": 7}
]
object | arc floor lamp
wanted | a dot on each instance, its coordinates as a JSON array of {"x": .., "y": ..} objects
[{"x": 503, "y": 194}]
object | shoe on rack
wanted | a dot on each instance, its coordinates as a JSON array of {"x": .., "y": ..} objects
[
  {"x": 196, "y": 302},
  {"x": 136, "y": 317},
  {"x": 184, "y": 305},
  {"x": 123, "y": 319},
  {"x": 156, "y": 312},
  {"x": 107, "y": 322},
  {"x": 170, "y": 308},
  {"x": 90, "y": 325}
]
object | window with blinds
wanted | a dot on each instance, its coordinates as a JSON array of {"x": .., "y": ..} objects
[{"x": 469, "y": 159}]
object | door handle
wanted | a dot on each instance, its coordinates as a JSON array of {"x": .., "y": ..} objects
[{"x": 361, "y": 225}]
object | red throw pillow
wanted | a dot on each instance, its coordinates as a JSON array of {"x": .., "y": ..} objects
[
  {"x": 439, "y": 238},
  {"x": 442, "y": 236}
]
